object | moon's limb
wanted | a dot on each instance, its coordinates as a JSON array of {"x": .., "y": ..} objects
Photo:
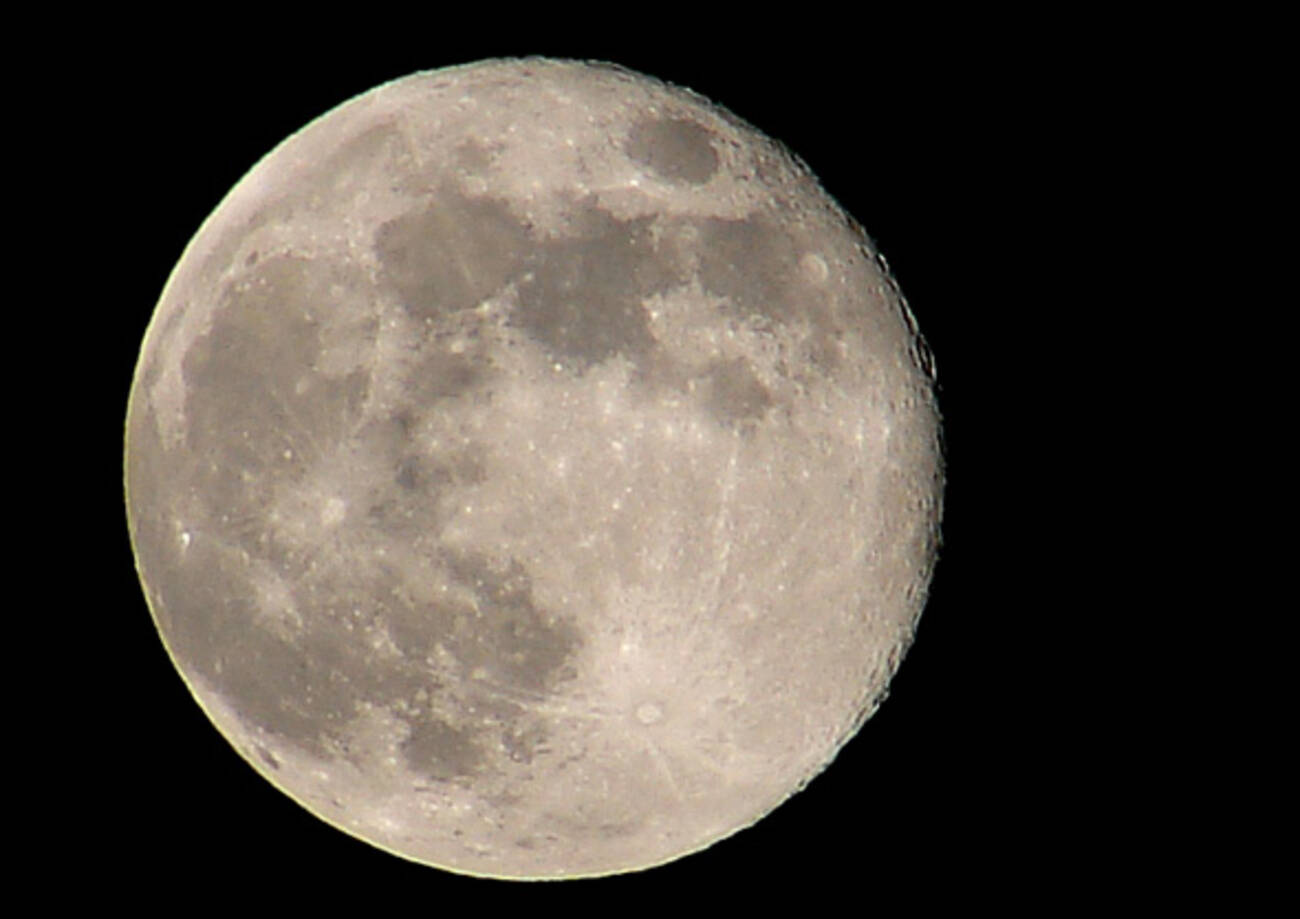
[{"x": 532, "y": 471}]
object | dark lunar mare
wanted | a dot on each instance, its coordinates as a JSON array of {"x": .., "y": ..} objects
[{"x": 260, "y": 420}]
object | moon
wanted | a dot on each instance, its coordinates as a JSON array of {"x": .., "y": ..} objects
[{"x": 533, "y": 472}]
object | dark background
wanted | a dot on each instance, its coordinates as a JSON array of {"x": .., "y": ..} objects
[{"x": 941, "y": 142}]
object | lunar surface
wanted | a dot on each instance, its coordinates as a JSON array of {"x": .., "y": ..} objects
[{"x": 532, "y": 471}]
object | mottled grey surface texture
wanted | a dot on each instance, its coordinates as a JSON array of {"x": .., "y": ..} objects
[{"x": 532, "y": 472}]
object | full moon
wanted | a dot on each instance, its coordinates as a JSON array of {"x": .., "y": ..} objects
[{"x": 532, "y": 471}]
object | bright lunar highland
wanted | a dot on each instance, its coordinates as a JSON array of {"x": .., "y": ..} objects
[{"x": 532, "y": 471}]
